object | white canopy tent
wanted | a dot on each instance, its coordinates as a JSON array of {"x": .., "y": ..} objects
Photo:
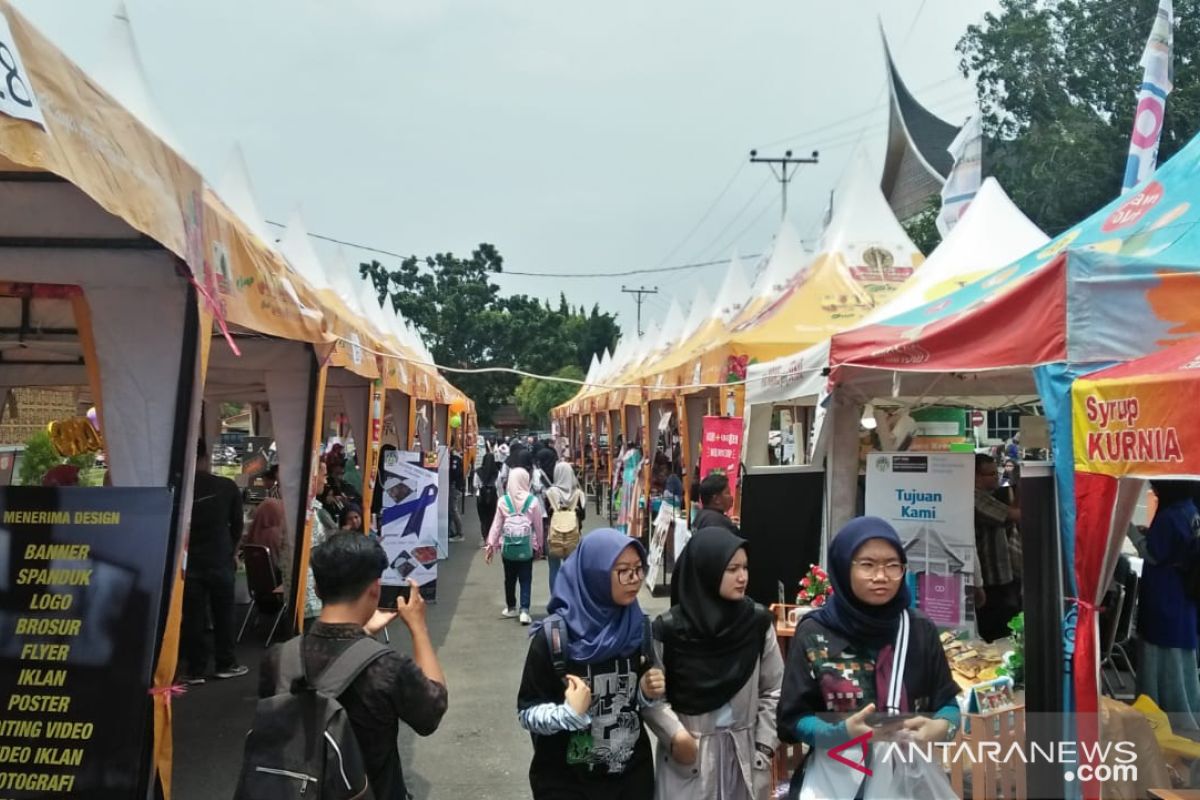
[{"x": 992, "y": 234}]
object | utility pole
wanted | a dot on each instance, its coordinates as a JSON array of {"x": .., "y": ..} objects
[
  {"x": 784, "y": 169},
  {"x": 639, "y": 292}
]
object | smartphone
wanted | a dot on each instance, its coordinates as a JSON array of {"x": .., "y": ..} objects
[
  {"x": 389, "y": 594},
  {"x": 882, "y": 719}
]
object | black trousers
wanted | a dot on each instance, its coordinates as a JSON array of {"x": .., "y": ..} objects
[
  {"x": 207, "y": 590},
  {"x": 485, "y": 503},
  {"x": 1001, "y": 604}
]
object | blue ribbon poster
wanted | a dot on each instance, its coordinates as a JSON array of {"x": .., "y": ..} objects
[{"x": 412, "y": 504}]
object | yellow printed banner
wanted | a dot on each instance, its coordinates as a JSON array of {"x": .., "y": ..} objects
[{"x": 1138, "y": 418}]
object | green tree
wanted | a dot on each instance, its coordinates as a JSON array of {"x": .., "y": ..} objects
[
  {"x": 232, "y": 409},
  {"x": 536, "y": 397},
  {"x": 1056, "y": 81},
  {"x": 922, "y": 229},
  {"x": 467, "y": 323}
]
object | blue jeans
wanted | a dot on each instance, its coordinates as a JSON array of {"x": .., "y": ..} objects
[
  {"x": 554, "y": 564},
  {"x": 514, "y": 571}
]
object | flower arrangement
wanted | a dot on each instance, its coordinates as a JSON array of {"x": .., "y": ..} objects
[{"x": 814, "y": 587}]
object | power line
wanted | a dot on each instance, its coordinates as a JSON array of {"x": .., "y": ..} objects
[
  {"x": 355, "y": 245},
  {"x": 687, "y": 238},
  {"x": 640, "y": 292},
  {"x": 624, "y": 274},
  {"x": 515, "y": 273},
  {"x": 708, "y": 247}
]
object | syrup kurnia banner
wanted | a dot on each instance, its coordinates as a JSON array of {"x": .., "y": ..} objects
[
  {"x": 409, "y": 526},
  {"x": 1138, "y": 418}
]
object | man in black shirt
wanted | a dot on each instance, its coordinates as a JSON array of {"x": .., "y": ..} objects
[
  {"x": 394, "y": 687},
  {"x": 215, "y": 531},
  {"x": 716, "y": 498}
]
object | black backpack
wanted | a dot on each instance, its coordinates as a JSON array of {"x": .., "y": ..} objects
[{"x": 302, "y": 745}]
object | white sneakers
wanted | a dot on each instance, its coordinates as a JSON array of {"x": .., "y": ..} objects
[{"x": 509, "y": 613}]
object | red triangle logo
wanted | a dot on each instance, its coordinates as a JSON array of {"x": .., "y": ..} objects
[{"x": 858, "y": 741}]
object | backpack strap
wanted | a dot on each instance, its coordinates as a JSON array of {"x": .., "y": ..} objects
[
  {"x": 648, "y": 655},
  {"x": 290, "y": 667},
  {"x": 528, "y": 503},
  {"x": 508, "y": 503},
  {"x": 555, "y": 631},
  {"x": 338, "y": 676}
]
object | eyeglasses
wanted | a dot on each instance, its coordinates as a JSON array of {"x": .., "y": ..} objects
[
  {"x": 892, "y": 570},
  {"x": 628, "y": 577}
]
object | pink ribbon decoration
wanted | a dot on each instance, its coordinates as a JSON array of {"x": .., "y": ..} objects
[{"x": 167, "y": 692}]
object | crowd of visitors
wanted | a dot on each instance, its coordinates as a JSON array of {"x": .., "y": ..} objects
[{"x": 706, "y": 678}]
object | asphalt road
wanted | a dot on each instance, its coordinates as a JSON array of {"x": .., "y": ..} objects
[{"x": 478, "y": 752}]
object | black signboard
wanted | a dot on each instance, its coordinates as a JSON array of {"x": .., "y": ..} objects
[{"x": 81, "y": 575}]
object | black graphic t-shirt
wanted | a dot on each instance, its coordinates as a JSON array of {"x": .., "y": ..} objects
[{"x": 615, "y": 747}]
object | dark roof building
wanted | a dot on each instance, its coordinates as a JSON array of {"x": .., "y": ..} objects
[
  {"x": 507, "y": 419},
  {"x": 917, "y": 160}
]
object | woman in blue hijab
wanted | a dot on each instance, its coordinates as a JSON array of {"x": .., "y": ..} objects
[
  {"x": 586, "y": 680},
  {"x": 863, "y": 661}
]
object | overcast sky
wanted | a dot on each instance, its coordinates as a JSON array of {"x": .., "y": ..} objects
[{"x": 576, "y": 137}]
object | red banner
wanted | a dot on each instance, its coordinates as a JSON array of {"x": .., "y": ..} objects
[{"x": 721, "y": 447}]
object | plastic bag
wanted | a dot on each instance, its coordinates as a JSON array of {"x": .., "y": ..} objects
[{"x": 907, "y": 779}]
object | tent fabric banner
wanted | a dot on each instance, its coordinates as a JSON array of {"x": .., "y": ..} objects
[
  {"x": 1117, "y": 286},
  {"x": 990, "y": 237},
  {"x": 1137, "y": 419},
  {"x": 119, "y": 162}
]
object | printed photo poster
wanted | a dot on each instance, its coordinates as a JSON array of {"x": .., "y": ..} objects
[
  {"x": 929, "y": 498},
  {"x": 409, "y": 526},
  {"x": 721, "y": 447}
]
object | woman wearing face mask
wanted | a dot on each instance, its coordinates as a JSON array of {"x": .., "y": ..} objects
[
  {"x": 723, "y": 670},
  {"x": 586, "y": 678},
  {"x": 842, "y": 664}
]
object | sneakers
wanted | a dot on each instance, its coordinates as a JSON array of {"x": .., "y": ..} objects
[
  {"x": 191, "y": 680},
  {"x": 232, "y": 671},
  {"x": 508, "y": 613},
  {"x": 525, "y": 618}
]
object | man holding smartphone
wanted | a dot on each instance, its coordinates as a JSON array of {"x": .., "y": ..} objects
[{"x": 347, "y": 569}]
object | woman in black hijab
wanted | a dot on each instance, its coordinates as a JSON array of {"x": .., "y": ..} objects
[
  {"x": 723, "y": 668},
  {"x": 486, "y": 496}
]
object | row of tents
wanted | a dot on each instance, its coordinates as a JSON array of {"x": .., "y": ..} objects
[
  {"x": 997, "y": 316},
  {"x": 158, "y": 295}
]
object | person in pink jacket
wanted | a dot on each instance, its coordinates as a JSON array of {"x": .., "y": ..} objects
[{"x": 517, "y": 534}]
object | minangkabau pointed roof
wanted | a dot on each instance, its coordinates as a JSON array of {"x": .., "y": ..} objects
[{"x": 918, "y": 160}]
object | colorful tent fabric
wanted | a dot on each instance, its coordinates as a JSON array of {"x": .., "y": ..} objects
[
  {"x": 1112, "y": 288},
  {"x": 1134, "y": 420},
  {"x": 1119, "y": 285},
  {"x": 864, "y": 257},
  {"x": 990, "y": 235}
]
